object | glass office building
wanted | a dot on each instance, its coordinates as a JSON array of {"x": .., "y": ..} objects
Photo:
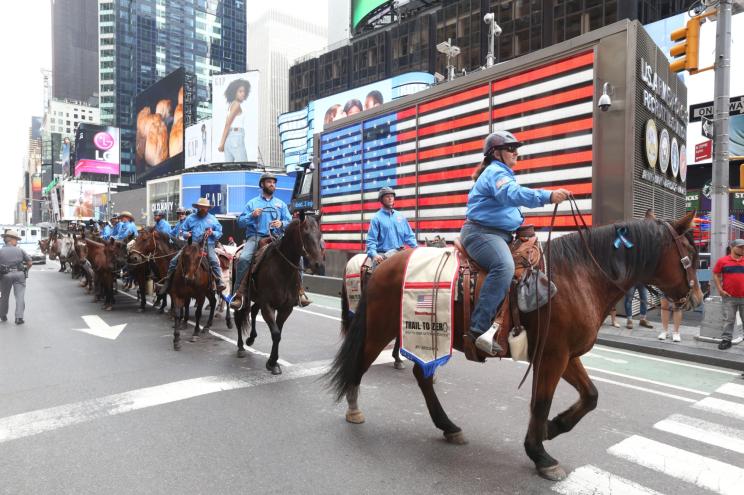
[
  {"x": 409, "y": 43},
  {"x": 142, "y": 41}
]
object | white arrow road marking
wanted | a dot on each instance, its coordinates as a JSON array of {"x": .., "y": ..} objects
[{"x": 99, "y": 328}]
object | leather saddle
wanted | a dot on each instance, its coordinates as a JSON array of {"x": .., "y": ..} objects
[
  {"x": 258, "y": 257},
  {"x": 526, "y": 253}
]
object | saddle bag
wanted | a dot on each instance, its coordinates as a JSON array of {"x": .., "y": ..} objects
[{"x": 532, "y": 290}]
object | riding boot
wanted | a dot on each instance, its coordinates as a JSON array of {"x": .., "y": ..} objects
[
  {"x": 303, "y": 299},
  {"x": 165, "y": 289},
  {"x": 236, "y": 303}
]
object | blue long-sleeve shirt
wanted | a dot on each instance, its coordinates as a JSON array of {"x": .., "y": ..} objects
[
  {"x": 125, "y": 229},
  {"x": 388, "y": 230},
  {"x": 106, "y": 232},
  {"x": 198, "y": 225},
  {"x": 177, "y": 229},
  {"x": 163, "y": 226},
  {"x": 495, "y": 199},
  {"x": 273, "y": 209}
]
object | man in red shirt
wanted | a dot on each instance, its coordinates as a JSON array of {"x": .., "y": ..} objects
[{"x": 728, "y": 274}]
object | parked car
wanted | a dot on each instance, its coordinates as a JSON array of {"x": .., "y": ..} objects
[{"x": 34, "y": 250}]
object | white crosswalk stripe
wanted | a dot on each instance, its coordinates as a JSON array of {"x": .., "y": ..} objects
[
  {"x": 590, "y": 480},
  {"x": 700, "y": 471}
]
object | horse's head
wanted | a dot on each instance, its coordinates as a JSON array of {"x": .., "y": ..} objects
[
  {"x": 143, "y": 246},
  {"x": 118, "y": 252},
  {"x": 44, "y": 245},
  {"x": 190, "y": 260},
  {"x": 310, "y": 232},
  {"x": 676, "y": 273}
]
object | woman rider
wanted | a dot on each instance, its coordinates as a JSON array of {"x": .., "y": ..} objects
[{"x": 492, "y": 217}]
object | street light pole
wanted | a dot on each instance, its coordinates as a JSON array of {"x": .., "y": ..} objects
[{"x": 719, "y": 214}]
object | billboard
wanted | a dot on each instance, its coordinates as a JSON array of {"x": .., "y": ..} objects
[
  {"x": 164, "y": 194},
  {"x": 235, "y": 117},
  {"x": 78, "y": 199},
  {"x": 296, "y": 129},
  {"x": 160, "y": 116},
  {"x": 361, "y": 9},
  {"x": 36, "y": 124},
  {"x": 199, "y": 144},
  {"x": 97, "y": 149}
]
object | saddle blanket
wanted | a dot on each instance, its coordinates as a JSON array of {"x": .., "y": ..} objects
[
  {"x": 427, "y": 307},
  {"x": 353, "y": 281}
]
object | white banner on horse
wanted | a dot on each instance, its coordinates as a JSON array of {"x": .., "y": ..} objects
[
  {"x": 353, "y": 281},
  {"x": 427, "y": 307}
]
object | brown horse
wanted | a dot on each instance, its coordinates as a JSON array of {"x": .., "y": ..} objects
[
  {"x": 105, "y": 259},
  {"x": 275, "y": 285},
  {"x": 149, "y": 256},
  {"x": 192, "y": 279},
  {"x": 591, "y": 276}
]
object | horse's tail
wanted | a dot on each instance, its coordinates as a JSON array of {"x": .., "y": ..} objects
[
  {"x": 346, "y": 316},
  {"x": 345, "y": 371}
]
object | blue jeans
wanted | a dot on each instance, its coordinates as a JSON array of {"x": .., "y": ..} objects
[
  {"x": 246, "y": 257},
  {"x": 490, "y": 249},
  {"x": 235, "y": 146},
  {"x": 214, "y": 262},
  {"x": 642, "y": 293}
]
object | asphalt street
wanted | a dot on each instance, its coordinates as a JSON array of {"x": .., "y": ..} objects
[{"x": 81, "y": 413}]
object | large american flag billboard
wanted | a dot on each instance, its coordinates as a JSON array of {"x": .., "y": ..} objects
[{"x": 428, "y": 150}]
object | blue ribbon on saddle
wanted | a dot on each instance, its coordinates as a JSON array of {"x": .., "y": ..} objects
[{"x": 620, "y": 233}]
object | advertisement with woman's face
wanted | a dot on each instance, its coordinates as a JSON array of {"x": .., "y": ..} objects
[
  {"x": 235, "y": 117},
  {"x": 351, "y": 102}
]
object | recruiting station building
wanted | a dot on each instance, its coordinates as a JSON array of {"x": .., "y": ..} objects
[{"x": 618, "y": 162}]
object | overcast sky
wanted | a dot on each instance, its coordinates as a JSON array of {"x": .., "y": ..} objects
[{"x": 26, "y": 42}]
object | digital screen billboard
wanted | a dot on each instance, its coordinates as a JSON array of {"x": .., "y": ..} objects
[
  {"x": 199, "y": 144},
  {"x": 78, "y": 199},
  {"x": 235, "y": 117},
  {"x": 159, "y": 114},
  {"x": 97, "y": 149},
  {"x": 361, "y": 9}
]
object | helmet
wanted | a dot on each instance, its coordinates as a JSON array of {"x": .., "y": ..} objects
[
  {"x": 385, "y": 190},
  {"x": 499, "y": 140},
  {"x": 180, "y": 209},
  {"x": 159, "y": 213},
  {"x": 264, "y": 176}
]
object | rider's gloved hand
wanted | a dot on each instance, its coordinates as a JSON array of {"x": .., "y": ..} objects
[{"x": 275, "y": 224}]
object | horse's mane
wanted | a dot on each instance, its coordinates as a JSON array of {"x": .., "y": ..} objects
[{"x": 638, "y": 262}]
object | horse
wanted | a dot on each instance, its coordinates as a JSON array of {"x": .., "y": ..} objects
[
  {"x": 150, "y": 255},
  {"x": 592, "y": 276},
  {"x": 105, "y": 259},
  {"x": 274, "y": 285},
  {"x": 192, "y": 279}
]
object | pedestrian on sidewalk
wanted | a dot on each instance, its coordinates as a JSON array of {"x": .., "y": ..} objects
[
  {"x": 728, "y": 275},
  {"x": 613, "y": 318},
  {"x": 643, "y": 296},
  {"x": 666, "y": 308},
  {"x": 14, "y": 263}
]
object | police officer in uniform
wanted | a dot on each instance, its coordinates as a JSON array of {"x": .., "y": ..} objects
[{"x": 13, "y": 265}]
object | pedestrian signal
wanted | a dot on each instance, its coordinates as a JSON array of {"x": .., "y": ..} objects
[{"x": 686, "y": 52}]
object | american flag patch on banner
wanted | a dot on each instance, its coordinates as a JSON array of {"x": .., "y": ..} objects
[{"x": 424, "y": 305}]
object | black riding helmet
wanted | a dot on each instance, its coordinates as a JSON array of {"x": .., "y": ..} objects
[
  {"x": 499, "y": 140},
  {"x": 385, "y": 190},
  {"x": 264, "y": 176}
]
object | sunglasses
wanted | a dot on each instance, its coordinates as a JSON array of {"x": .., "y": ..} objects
[{"x": 510, "y": 149}]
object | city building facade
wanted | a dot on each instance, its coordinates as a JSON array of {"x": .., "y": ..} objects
[
  {"x": 75, "y": 50},
  {"x": 63, "y": 116},
  {"x": 142, "y": 41},
  {"x": 408, "y": 42}
]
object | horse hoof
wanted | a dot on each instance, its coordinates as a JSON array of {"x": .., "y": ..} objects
[
  {"x": 552, "y": 473},
  {"x": 229, "y": 325},
  {"x": 398, "y": 365},
  {"x": 194, "y": 338},
  {"x": 249, "y": 342},
  {"x": 455, "y": 438},
  {"x": 274, "y": 368},
  {"x": 355, "y": 416},
  {"x": 241, "y": 353},
  {"x": 176, "y": 346}
]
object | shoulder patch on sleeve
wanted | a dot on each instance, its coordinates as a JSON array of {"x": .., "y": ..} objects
[{"x": 502, "y": 181}]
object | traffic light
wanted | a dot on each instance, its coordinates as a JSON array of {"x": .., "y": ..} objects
[{"x": 686, "y": 52}]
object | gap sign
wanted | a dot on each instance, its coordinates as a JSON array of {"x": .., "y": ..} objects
[{"x": 217, "y": 196}]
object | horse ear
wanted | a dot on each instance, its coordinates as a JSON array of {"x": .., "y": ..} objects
[
  {"x": 684, "y": 224},
  {"x": 650, "y": 215},
  {"x": 302, "y": 216}
]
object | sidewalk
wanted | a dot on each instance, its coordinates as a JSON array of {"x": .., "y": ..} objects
[{"x": 646, "y": 340}]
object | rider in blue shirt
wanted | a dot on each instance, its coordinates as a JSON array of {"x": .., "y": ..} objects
[
  {"x": 176, "y": 231},
  {"x": 107, "y": 230},
  {"x": 493, "y": 215},
  {"x": 197, "y": 225},
  {"x": 161, "y": 224},
  {"x": 115, "y": 225},
  {"x": 126, "y": 227},
  {"x": 388, "y": 231},
  {"x": 261, "y": 214}
]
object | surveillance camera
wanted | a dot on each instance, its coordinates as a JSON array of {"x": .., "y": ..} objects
[
  {"x": 488, "y": 18},
  {"x": 605, "y": 102}
]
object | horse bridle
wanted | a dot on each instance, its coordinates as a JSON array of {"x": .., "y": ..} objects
[{"x": 684, "y": 259}]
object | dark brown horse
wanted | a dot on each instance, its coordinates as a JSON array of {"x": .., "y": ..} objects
[
  {"x": 275, "y": 285},
  {"x": 192, "y": 279},
  {"x": 591, "y": 276},
  {"x": 105, "y": 259},
  {"x": 149, "y": 257}
]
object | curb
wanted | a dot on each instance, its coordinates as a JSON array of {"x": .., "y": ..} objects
[{"x": 702, "y": 356}]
